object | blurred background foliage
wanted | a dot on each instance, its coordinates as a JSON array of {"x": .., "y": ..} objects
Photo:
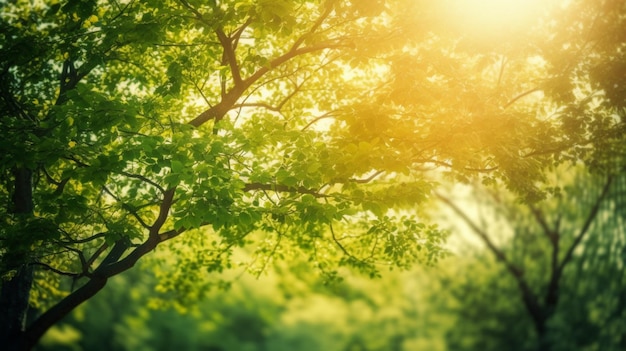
[
  {"x": 289, "y": 309},
  {"x": 467, "y": 302}
]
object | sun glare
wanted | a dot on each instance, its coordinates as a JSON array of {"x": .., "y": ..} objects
[{"x": 487, "y": 17}]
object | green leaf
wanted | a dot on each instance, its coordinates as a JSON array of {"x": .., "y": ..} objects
[{"x": 176, "y": 166}]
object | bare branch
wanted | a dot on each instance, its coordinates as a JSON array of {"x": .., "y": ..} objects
[
  {"x": 515, "y": 271},
  {"x": 239, "y": 31},
  {"x": 294, "y": 52},
  {"x": 271, "y": 255},
  {"x": 199, "y": 89}
]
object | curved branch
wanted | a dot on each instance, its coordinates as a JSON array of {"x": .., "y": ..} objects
[
  {"x": 330, "y": 114},
  {"x": 343, "y": 249},
  {"x": 55, "y": 270},
  {"x": 318, "y": 22},
  {"x": 519, "y": 96}
]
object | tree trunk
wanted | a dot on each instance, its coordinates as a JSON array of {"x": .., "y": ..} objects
[
  {"x": 539, "y": 317},
  {"x": 543, "y": 343},
  {"x": 16, "y": 290},
  {"x": 14, "y": 307}
]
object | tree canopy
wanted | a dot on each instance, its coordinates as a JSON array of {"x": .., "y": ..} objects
[{"x": 314, "y": 128}]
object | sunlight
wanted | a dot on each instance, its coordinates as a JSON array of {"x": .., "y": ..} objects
[
  {"x": 498, "y": 12},
  {"x": 489, "y": 17}
]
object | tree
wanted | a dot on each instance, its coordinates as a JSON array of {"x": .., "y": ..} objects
[
  {"x": 534, "y": 291},
  {"x": 127, "y": 124},
  {"x": 552, "y": 216}
]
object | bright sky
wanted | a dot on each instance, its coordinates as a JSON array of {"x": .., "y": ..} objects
[{"x": 487, "y": 16}]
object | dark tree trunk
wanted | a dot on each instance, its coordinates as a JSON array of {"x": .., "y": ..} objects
[
  {"x": 14, "y": 307},
  {"x": 16, "y": 290}
]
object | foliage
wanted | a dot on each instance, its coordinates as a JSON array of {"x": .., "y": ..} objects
[
  {"x": 288, "y": 309},
  {"x": 314, "y": 128},
  {"x": 128, "y": 124}
]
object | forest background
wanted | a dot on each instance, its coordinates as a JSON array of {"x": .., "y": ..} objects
[{"x": 313, "y": 175}]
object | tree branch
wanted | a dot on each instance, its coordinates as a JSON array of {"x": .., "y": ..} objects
[
  {"x": 585, "y": 228},
  {"x": 552, "y": 293},
  {"x": 166, "y": 204},
  {"x": 368, "y": 179},
  {"x": 294, "y": 52},
  {"x": 97, "y": 254},
  {"x": 551, "y": 234},
  {"x": 170, "y": 234},
  {"x": 282, "y": 188},
  {"x": 318, "y": 22},
  {"x": 450, "y": 165},
  {"x": 229, "y": 54},
  {"x": 144, "y": 179},
  {"x": 515, "y": 271},
  {"x": 85, "y": 240},
  {"x": 531, "y": 301},
  {"x": 83, "y": 262},
  {"x": 519, "y": 96},
  {"x": 52, "y": 269},
  {"x": 229, "y": 98},
  {"x": 330, "y": 114},
  {"x": 110, "y": 266},
  {"x": 127, "y": 207}
]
